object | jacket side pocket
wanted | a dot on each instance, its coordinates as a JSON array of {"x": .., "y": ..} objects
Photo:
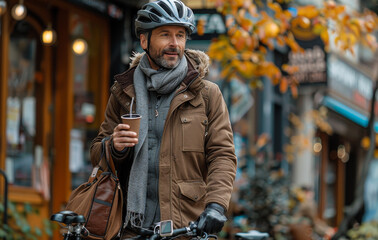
[{"x": 192, "y": 200}]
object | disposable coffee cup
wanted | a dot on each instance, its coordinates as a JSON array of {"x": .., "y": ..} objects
[{"x": 133, "y": 121}]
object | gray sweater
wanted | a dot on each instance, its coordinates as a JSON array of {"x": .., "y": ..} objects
[{"x": 158, "y": 107}]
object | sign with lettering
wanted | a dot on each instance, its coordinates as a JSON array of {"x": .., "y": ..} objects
[
  {"x": 214, "y": 24},
  {"x": 312, "y": 62},
  {"x": 349, "y": 82},
  {"x": 312, "y": 65}
]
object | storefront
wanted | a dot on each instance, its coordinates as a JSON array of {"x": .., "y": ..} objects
[
  {"x": 348, "y": 100},
  {"x": 53, "y": 94}
]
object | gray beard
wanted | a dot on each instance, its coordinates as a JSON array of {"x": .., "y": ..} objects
[{"x": 162, "y": 62}]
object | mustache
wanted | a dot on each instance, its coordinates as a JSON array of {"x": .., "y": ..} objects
[{"x": 175, "y": 50}]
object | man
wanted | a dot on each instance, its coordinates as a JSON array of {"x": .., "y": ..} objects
[{"x": 182, "y": 166}]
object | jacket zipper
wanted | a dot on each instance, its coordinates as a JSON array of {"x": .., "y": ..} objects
[{"x": 170, "y": 182}]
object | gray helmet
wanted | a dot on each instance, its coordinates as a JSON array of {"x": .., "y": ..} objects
[{"x": 164, "y": 12}]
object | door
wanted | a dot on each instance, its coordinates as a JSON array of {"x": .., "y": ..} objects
[{"x": 25, "y": 99}]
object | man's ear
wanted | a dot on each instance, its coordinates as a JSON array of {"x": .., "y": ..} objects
[{"x": 143, "y": 41}]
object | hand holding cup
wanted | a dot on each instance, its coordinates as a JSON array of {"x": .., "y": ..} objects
[
  {"x": 126, "y": 134},
  {"x": 133, "y": 120}
]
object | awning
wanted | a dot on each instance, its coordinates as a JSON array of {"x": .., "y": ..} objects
[{"x": 348, "y": 112}]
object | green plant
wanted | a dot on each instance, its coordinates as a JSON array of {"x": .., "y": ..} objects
[
  {"x": 265, "y": 199},
  {"x": 365, "y": 231},
  {"x": 18, "y": 227}
]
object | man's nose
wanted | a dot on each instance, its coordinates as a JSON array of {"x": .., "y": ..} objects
[{"x": 174, "y": 41}]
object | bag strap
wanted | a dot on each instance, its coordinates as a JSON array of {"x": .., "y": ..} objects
[
  {"x": 105, "y": 163},
  {"x": 109, "y": 157},
  {"x": 99, "y": 168}
]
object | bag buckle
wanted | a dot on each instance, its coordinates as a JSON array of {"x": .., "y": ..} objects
[{"x": 94, "y": 174}]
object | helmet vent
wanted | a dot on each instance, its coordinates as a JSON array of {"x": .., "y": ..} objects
[
  {"x": 144, "y": 19},
  {"x": 154, "y": 18},
  {"x": 156, "y": 12},
  {"x": 166, "y": 8},
  {"x": 189, "y": 13},
  {"x": 179, "y": 9}
]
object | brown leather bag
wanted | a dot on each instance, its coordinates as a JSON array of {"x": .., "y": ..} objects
[{"x": 100, "y": 200}]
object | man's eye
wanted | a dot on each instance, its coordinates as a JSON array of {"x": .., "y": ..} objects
[{"x": 181, "y": 36}]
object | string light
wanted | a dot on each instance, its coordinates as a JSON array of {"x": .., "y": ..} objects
[
  {"x": 19, "y": 11},
  {"x": 48, "y": 36},
  {"x": 317, "y": 145},
  {"x": 80, "y": 46},
  {"x": 342, "y": 153}
]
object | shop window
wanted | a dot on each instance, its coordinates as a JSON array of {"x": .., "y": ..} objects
[
  {"x": 86, "y": 74},
  {"x": 23, "y": 152}
]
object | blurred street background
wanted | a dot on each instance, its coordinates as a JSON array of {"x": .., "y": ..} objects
[{"x": 299, "y": 78}]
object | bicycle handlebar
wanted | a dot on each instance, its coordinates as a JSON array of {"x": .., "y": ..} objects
[
  {"x": 162, "y": 231},
  {"x": 188, "y": 231}
]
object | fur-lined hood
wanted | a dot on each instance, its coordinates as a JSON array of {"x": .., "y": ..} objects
[{"x": 199, "y": 60}]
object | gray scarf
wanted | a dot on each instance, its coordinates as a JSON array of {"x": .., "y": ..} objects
[{"x": 162, "y": 81}]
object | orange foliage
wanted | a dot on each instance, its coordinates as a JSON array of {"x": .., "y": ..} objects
[
  {"x": 243, "y": 51},
  {"x": 294, "y": 90},
  {"x": 309, "y": 11},
  {"x": 271, "y": 29},
  {"x": 284, "y": 85},
  {"x": 201, "y": 27},
  {"x": 290, "y": 69},
  {"x": 304, "y": 22}
]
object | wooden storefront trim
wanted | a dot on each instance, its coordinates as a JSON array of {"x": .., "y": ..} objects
[
  {"x": 4, "y": 41},
  {"x": 63, "y": 117},
  {"x": 340, "y": 192},
  {"x": 25, "y": 195},
  {"x": 323, "y": 170}
]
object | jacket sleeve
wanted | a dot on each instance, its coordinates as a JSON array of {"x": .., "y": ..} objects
[
  {"x": 112, "y": 119},
  {"x": 220, "y": 151}
]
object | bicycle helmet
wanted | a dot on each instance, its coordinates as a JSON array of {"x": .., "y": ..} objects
[{"x": 164, "y": 12}]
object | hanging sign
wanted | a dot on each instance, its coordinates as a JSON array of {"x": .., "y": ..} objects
[{"x": 312, "y": 62}]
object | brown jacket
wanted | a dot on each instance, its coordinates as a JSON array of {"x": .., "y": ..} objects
[{"x": 197, "y": 162}]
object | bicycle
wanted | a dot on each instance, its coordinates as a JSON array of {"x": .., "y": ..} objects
[
  {"x": 74, "y": 224},
  {"x": 75, "y": 229},
  {"x": 163, "y": 230}
]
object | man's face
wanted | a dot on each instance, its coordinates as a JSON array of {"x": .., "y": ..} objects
[{"x": 167, "y": 45}]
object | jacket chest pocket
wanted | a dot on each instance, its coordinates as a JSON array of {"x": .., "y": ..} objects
[{"x": 194, "y": 131}]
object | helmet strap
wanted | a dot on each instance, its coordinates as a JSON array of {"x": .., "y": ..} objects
[{"x": 148, "y": 50}]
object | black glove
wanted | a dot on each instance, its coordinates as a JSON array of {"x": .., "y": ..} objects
[{"x": 211, "y": 220}]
